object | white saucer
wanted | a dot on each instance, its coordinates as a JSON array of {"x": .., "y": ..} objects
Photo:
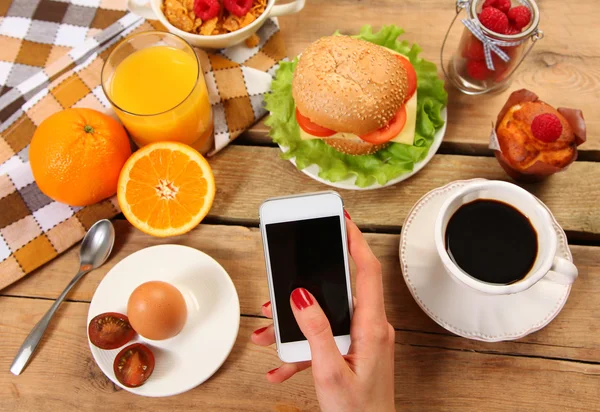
[
  {"x": 188, "y": 359},
  {"x": 459, "y": 309},
  {"x": 313, "y": 170}
]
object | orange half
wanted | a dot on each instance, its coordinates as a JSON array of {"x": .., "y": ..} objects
[{"x": 166, "y": 189}]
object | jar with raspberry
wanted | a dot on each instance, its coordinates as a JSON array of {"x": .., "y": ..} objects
[{"x": 497, "y": 36}]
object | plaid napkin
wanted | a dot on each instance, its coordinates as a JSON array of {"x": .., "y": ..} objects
[{"x": 51, "y": 56}]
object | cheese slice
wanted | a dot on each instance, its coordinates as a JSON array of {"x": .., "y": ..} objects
[{"x": 406, "y": 136}]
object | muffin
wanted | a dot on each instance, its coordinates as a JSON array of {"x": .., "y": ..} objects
[{"x": 532, "y": 140}]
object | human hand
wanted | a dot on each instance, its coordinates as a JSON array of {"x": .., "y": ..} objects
[{"x": 363, "y": 380}]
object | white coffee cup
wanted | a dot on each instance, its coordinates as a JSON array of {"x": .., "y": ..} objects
[
  {"x": 547, "y": 266},
  {"x": 151, "y": 9}
]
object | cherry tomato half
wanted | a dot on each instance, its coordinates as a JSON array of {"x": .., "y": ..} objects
[
  {"x": 110, "y": 330},
  {"x": 312, "y": 128},
  {"x": 134, "y": 365},
  {"x": 389, "y": 131},
  {"x": 411, "y": 77}
]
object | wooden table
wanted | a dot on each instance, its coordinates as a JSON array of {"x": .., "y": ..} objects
[{"x": 557, "y": 368}]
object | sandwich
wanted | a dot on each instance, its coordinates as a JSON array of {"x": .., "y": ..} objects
[
  {"x": 354, "y": 95},
  {"x": 364, "y": 108}
]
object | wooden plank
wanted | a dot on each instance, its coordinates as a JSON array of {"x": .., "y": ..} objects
[
  {"x": 562, "y": 68},
  {"x": 246, "y": 176},
  {"x": 573, "y": 334},
  {"x": 64, "y": 376}
]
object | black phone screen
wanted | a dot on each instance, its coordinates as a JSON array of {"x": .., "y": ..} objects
[{"x": 309, "y": 254}]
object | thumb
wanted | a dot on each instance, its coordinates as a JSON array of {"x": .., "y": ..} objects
[{"x": 316, "y": 328}]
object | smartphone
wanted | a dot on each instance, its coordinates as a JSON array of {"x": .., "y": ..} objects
[{"x": 305, "y": 244}]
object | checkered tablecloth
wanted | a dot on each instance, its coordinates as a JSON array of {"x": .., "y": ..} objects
[
  {"x": 39, "y": 34},
  {"x": 51, "y": 56}
]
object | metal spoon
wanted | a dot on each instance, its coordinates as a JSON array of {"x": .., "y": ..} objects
[{"x": 95, "y": 249}]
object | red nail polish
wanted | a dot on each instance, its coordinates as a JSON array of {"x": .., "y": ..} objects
[
  {"x": 272, "y": 371},
  {"x": 347, "y": 214},
  {"x": 259, "y": 331},
  {"x": 266, "y": 305},
  {"x": 301, "y": 298}
]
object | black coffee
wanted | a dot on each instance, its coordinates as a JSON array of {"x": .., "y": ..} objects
[{"x": 491, "y": 241}]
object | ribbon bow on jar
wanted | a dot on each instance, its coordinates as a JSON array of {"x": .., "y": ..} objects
[{"x": 490, "y": 44}]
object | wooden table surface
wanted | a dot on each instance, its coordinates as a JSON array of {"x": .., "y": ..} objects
[{"x": 557, "y": 368}]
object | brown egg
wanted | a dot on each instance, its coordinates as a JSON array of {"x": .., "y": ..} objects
[{"x": 157, "y": 310}]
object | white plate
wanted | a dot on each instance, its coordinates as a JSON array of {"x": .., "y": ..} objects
[
  {"x": 313, "y": 170},
  {"x": 188, "y": 359},
  {"x": 458, "y": 308}
]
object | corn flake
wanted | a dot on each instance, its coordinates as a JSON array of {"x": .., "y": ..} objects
[
  {"x": 197, "y": 24},
  {"x": 247, "y": 19},
  {"x": 209, "y": 26},
  {"x": 231, "y": 23},
  {"x": 252, "y": 41}
]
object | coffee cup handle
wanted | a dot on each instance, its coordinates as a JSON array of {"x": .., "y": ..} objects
[
  {"x": 562, "y": 271},
  {"x": 142, "y": 8},
  {"x": 285, "y": 9}
]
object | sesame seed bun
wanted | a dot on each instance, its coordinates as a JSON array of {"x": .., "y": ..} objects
[
  {"x": 353, "y": 147},
  {"x": 349, "y": 85}
]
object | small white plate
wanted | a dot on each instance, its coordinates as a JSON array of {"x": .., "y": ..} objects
[
  {"x": 313, "y": 170},
  {"x": 458, "y": 308},
  {"x": 198, "y": 351}
]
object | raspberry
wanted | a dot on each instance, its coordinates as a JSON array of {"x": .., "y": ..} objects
[
  {"x": 500, "y": 74},
  {"x": 500, "y": 68},
  {"x": 512, "y": 29},
  {"x": 477, "y": 70},
  {"x": 519, "y": 16},
  {"x": 502, "y": 5},
  {"x": 473, "y": 50},
  {"x": 546, "y": 127},
  {"x": 207, "y": 9},
  {"x": 494, "y": 19},
  {"x": 238, "y": 7}
]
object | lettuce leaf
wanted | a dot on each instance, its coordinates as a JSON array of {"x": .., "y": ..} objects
[{"x": 386, "y": 164}]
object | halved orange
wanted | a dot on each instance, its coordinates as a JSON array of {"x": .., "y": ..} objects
[{"x": 166, "y": 189}]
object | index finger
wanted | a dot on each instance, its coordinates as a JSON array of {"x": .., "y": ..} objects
[{"x": 369, "y": 284}]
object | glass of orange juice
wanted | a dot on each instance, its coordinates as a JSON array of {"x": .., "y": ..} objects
[{"x": 155, "y": 83}]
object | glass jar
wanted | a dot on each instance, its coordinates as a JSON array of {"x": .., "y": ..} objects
[{"x": 485, "y": 60}]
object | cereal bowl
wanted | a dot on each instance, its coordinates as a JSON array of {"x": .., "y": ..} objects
[{"x": 152, "y": 10}]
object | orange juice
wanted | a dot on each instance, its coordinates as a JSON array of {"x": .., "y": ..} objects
[{"x": 159, "y": 94}]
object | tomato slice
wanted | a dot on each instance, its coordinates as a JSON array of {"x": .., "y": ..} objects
[
  {"x": 411, "y": 77},
  {"x": 312, "y": 128},
  {"x": 110, "y": 330},
  {"x": 389, "y": 131},
  {"x": 134, "y": 365}
]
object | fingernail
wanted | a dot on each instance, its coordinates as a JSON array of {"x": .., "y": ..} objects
[
  {"x": 347, "y": 214},
  {"x": 266, "y": 305},
  {"x": 272, "y": 371},
  {"x": 301, "y": 298},
  {"x": 259, "y": 331}
]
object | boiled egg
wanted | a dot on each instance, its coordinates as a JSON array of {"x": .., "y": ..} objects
[{"x": 157, "y": 310}]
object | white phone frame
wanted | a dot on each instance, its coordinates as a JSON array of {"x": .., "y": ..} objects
[{"x": 295, "y": 208}]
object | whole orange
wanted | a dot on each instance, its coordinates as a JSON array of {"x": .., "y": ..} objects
[{"x": 76, "y": 156}]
